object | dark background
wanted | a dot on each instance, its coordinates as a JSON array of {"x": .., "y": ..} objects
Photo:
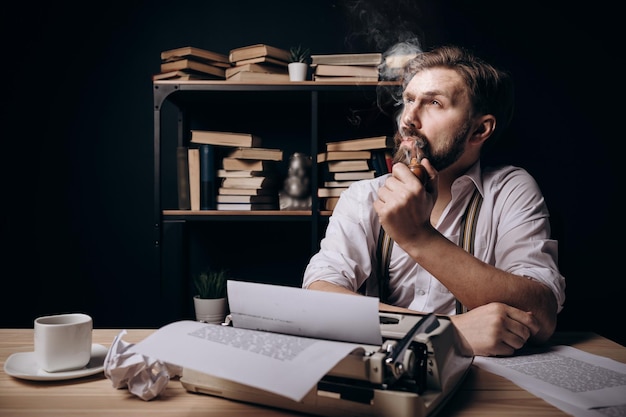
[{"x": 77, "y": 132}]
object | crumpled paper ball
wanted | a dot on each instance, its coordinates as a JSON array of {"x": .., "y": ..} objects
[{"x": 143, "y": 376}]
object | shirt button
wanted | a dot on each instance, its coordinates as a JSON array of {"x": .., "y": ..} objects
[{"x": 421, "y": 292}]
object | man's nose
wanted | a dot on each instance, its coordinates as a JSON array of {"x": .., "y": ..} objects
[{"x": 411, "y": 118}]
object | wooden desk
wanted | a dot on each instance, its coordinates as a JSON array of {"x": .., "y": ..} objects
[{"x": 482, "y": 394}]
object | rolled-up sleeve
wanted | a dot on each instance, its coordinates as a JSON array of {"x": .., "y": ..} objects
[
  {"x": 347, "y": 251},
  {"x": 519, "y": 238}
]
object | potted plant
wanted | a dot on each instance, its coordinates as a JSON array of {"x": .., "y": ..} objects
[
  {"x": 210, "y": 301},
  {"x": 298, "y": 63}
]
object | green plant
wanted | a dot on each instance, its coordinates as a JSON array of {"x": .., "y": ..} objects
[
  {"x": 299, "y": 54},
  {"x": 211, "y": 283}
]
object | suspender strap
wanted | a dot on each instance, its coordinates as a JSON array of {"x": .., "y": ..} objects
[
  {"x": 383, "y": 253},
  {"x": 466, "y": 240},
  {"x": 468, "y": 233}
]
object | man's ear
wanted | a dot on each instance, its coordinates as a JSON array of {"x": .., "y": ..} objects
[{"x": 484, "y": 127}]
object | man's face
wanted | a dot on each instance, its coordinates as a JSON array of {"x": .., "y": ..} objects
[{"x": 435, "y": 121}]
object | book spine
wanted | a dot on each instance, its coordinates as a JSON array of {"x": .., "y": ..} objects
[
  {"x": 194, "y": 178},
  {"x": 376, "y": 164},
  {"x": 182, "y": 170},
  {"x": 379, "y": 162},
  {"x": 389, "y": 160},
  {"x": 207, "y": 177}
]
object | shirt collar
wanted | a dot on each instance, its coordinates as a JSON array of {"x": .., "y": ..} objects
[{"x": 473, "y": 176}]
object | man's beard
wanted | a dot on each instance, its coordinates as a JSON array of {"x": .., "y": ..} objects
[{"x": 439, "y": 159}]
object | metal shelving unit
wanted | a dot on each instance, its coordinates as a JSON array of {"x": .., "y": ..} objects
[{"x": 312, "y": 112}]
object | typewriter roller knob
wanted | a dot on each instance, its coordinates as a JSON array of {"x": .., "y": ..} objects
[{"x": 396, "y": 354}]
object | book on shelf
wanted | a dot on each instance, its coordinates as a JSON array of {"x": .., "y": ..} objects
[
  {"x": 323, "y": 192},
  {"x": 346, "y": 70},
  {"x": 258, "y": 50},
  {"x": 236, "y": 198},
  {"x": 252, "y": 182},
  {"x": 234, "y": 164},
  {"x": 372, "y": 58},
  {"x": 340, "y": 184},
  {"x": 182, "y": 176},
  {"x": 258, "y": 77},
  {"x": 389, "y": 160},
  {"x": 242, "y": 173},
  {"x": 247, "y": 191},
  {"x": 379, "y": 162},
  {"x": 398, "y": 61},
  {"x": 374, "y": 142},
  {"x": 268, "y": 154},
  {"x": 188, "y": 64},
  {"x": 354, "y": 175},
  {"x": 247, "y": 206},
  {"x": 394, "y": 65},
  {"x": 348, "y": 165},
  {"x": 233, "y": 139},
  {"x": 184, "y": 75},
  {"x": 194, "y": 178},
  {"x": 262, "y": 67},
  {"x": 345, "y": 79},
  {"x": 330, "y": 203},
  {"x": 263, "y": 60},
  {"x": 207, "y": 177},
  {"x": 196, "y": 54},
  {"x": 342, "y": 155}
]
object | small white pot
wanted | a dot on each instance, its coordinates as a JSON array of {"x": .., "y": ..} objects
[
  {"x": 298, "y": 71},
  {"x": 210, "y": 310}
]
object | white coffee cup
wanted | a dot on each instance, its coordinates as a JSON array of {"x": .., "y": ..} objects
[{"x": 63, "y": 341}]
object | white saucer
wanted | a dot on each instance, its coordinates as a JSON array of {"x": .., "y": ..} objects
[{"x": 23, "y": 365}]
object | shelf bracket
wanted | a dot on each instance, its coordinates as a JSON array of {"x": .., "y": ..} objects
[{"x": 161, "y": 92}]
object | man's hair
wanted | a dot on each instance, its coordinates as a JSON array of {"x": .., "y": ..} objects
[{"x": 490, "y": 89}]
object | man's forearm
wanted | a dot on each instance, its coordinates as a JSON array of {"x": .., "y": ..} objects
[{"x": 475, "y": 283}]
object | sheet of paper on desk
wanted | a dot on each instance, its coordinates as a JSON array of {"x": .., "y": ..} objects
[
  {"x": 578, "y": 382},
  {"x": 266, "y": 347},
  {"x": 283, "y": 364},
  {"x": 296, "y": 311}
]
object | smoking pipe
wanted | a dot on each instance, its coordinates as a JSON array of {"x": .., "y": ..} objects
[{"x": 418, "y": 170}]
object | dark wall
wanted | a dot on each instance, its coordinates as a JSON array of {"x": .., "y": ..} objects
[{"x": 77, "y": 129}]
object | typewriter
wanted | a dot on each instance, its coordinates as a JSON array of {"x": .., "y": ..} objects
[{"x": 413, "y": 373}]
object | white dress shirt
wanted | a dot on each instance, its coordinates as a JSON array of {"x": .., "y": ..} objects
[{"x": 512, "y": 233}]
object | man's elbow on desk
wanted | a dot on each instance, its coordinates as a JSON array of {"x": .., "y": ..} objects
[
  {"x": 542, "y": 304},
  {"x": 548, "y": 319}
]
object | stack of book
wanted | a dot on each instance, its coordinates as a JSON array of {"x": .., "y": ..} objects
[
  {"x": 258, "y": 63},
  {"x": 248, "y": 177},
  {"x": 189, "y": 63},
  {"x": 351, "y": 160},
  {"x": 346, "y": 67}
]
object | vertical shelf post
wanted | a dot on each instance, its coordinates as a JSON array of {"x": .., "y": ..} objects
[{"x": 315, "y": 209}]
